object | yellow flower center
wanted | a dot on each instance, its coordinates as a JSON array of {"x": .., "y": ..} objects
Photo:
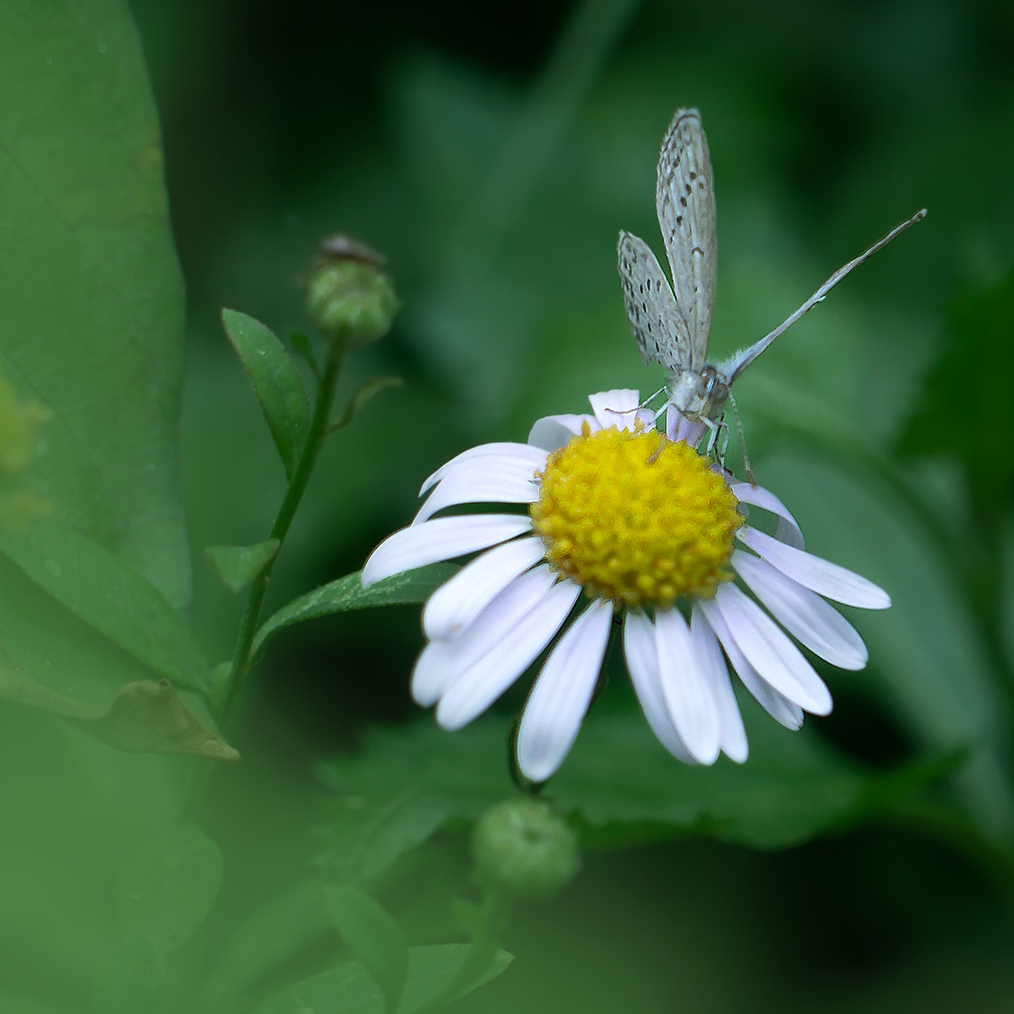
[{"x": 636, "y": 518}]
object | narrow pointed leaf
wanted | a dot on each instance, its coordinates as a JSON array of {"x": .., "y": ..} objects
[
  {"x": 237, "y": 566},
  {"x": 347, "y": 593},
  {"x": 373, "y": 937},
  {"x": 107, "y": 593},
  {"x": 275, "y": 381},
  {"x": 167, "y": 886},
  {"x": 302, "y": 347}
]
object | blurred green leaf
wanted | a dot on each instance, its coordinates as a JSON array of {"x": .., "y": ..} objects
[
  {"x": 90, "y": 289},
  {"x": 347, "y": 593},
  {"x": 166, "y": 888},
  {"x": 275, "y": 381},
  {"x": 374, "y": 938},
  {"x": 274, "y": 935},
  {"x": 928, "y": 661},
  {"x": 106, "y": 592},
  {"x": 362, "y": 396},
  {"x": 966, "y": 410},
  {"x": 618, "y": 780},
  {"x": 22, "y": 1003},
  {"x": 349, "y": 988},
  {"x": 133, "y": 979},
  {"x": 302, "y": 347},
  {"x": 237, "y": 566}
]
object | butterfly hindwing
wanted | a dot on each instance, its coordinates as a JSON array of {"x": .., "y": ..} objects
[{"x": 661, "y": 332}]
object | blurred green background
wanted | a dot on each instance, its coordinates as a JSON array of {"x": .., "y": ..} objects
[{"x": 493, "y": 153}]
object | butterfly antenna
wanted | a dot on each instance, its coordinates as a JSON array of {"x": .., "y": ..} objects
[
  {"x": 742, "y": 441},
  {"x": 743, "y": 359}
]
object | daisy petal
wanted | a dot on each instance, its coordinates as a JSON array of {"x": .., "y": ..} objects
[
  {"x": 642, "y": 663},
  {"x": 678, "y": 427},
  {"x": 804, "y": 614},
  {"x": 616, "y": 409},
  {"x": 442, "y": 662},
  {"x": 687, "y": 692},
  {"x": 520, "y": 452},
  {"x": 442, "y": 539},
  {"x": 769, "y": 650},
  {"x": 483, "y": 682},
  {"x": 734, "y": 744},
  {"x": 559, "y": 699},
  {"x": 460, "y": 600},
  {"x": 780, "y": 708},
  {"x": 787, "y": 530},
  {"x": 489, "y": 479},
  {"x": 821, "y": 576},
  {"x": 556, "y": 430}
]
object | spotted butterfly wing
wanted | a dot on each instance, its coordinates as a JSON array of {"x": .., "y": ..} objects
[
  {"x": 658, "y": 326},
  {"x": 685, "y": 199}
]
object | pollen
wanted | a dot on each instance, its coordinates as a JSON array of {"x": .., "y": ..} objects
[{"x": 636, "y": 518}]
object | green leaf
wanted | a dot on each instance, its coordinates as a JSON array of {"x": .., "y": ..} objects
[
  {"x": 91, "y": 294},
  {"x": 275, "y": 381},
  {"x": 237, "y": 566},
  {"x": 51, "y": 660},
  {"x": 363, "y": 395},
  {"x": 143, "y": 717},
  {"x": 618, "y": 781},
  {"x": 276, "y": 934},
  {"x": 133, "y": 979},
  {"x": 107, "y": 593},
  {"x": 347, "y": 593},
  {"x": 373, "y": 937},
  {"x": 349, "y": 988},
  {"x": 166, "y": 888}
]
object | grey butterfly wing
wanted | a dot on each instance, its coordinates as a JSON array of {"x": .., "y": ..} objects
[
  {"x": 659, "y": 328},
  {"x": 685, "y": 199}
]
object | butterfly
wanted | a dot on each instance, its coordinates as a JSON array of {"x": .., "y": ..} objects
[{"x": 671, "y": 325}]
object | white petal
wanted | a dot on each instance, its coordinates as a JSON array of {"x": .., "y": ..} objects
[
  {"x": 678, "y": 427},
  {"x": 485, "y": 680},
  {"x": 521, "y": 452},
  {"x": 616, "y": 409},
  {"x": 687, "y": 693},
  {"x": 642, "y": 663},
  {"x": 769, "y": 650},
  {"x": 557, "y": 430},
  {"x": 455, "y": 604},
  {"x": 487, "y": 479},
  {"x": 804, "y": 614},
  {"x": 442, "y": 539},
  {"x": 780, "y": 708},
  {"x": 441, "y": 662},
  {"x": 734, "y": 744},
  {"x": 786, "y": 530},
  {"x": 827, "y": 579},
  {"x": 560, "y": 697}
]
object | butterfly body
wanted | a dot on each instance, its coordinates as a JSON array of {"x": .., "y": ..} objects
[{"x": 671, "y": 324}]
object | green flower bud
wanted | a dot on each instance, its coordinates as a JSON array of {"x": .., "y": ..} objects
[
  {"x": 349, "y": 298},
  {"x": 524, "y": 848}
]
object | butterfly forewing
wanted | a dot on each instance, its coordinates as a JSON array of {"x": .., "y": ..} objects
[
  {"x": 661, "y": 332},
  {"x": 685, "y": 198}
]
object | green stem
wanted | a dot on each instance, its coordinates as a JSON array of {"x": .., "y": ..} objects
[{"x": 297, "y": 487}]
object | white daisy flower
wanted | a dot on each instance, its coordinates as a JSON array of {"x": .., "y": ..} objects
[{"x": 646, "y": 528}]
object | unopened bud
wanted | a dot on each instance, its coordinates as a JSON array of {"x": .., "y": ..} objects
[
  {"x": 524, "y": 848},
  {"x": 349, "y": 298}
]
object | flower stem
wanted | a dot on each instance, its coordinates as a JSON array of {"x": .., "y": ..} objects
[{"x": 297, "y": 487}]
